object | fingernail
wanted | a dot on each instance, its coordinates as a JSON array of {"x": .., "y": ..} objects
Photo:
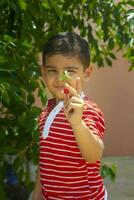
[
  {"x": 78, "y": 78},
  {"x": 62, "y": 91},
  {"x": 66, "y": 84}
]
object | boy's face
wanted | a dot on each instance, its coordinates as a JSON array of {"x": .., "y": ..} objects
[{"x": 55, "y": 67}]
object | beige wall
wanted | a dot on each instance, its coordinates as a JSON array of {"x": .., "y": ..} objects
[{"x": 113, "y": 90}]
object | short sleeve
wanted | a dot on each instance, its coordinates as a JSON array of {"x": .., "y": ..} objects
[{"x": 94, "y": 119}]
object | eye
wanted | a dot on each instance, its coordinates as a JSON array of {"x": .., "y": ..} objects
[
  {"x": 71, "y": 71},
  {"x": 51, "y": 71}
]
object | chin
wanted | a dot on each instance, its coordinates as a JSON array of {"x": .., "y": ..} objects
[{"x": 59, "y": 97}]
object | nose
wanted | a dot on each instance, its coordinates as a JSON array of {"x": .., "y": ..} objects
[{"x": 59, "y": 76}]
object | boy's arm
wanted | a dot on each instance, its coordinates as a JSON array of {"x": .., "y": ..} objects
[
  {"x": 91, "y": 146},
  {"x": 37, "y": 194}
]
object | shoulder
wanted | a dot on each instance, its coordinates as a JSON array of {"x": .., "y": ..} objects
[
  {"x": 92, "y": 106},
  {"x": 93, "y": 116},
  {"x": 51, "y": 102},
  {"x": 49, "y": 106}
]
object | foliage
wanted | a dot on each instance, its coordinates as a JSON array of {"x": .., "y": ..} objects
[
  {"x": 108, "y": 170},
  {"x": 24, "y": 27}
]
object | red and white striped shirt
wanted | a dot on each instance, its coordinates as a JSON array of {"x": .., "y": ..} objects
[{"x": 64, "y": 173}]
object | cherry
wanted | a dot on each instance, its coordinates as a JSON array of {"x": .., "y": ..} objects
[{"x": 66, "y": 90}]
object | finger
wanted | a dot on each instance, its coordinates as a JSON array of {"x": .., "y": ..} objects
[
  {"x": 73, "y": 106},
  {"x": 75, "y": 99},
  {"x": 78, "y": 85},
  {"x": 72, "y": 90},
  {"x": 65, "y": 97}
]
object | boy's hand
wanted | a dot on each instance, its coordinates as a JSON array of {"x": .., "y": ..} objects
[{"x": 73, "y": 104}]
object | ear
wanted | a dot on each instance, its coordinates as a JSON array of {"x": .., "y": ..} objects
[{"x": 88, "y": 72}]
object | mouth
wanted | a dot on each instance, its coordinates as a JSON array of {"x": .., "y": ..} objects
[{"x": 60, "y": 88}]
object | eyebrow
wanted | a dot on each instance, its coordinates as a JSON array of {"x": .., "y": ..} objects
[
  {"x": 71, "y": 67},
  {"x": 66, "y": 67},
  {"x": 49, "y": 66}
]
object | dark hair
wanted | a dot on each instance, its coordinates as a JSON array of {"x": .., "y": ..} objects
[{"x": 67, "y": 44}]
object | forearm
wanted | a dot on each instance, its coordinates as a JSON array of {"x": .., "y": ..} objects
[
  {"x": 37, "y": 194},
  {"x": 91, "y": 147}
]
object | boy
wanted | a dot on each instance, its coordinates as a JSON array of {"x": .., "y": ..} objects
[{"x": 71, "y": 126}]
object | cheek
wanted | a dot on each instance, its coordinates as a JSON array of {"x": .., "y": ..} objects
[
  {"x": 73, "y": 83},
  {"x": 49, "y": 79}
]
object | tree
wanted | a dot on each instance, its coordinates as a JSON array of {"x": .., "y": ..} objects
[{"x": 24, "y": 27}]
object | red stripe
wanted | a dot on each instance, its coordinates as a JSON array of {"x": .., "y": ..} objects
[{"x": 64, "y": 173}]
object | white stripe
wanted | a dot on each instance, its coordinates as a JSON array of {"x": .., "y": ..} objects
[
  {"x": 68, "y": 197},
  {"x": 72, "y": 197},
  {"x": 50, "y": 118},
  {"x": 68, "y": 177},
  {"x": 56, "y": 160},
  {"x": 61, "y": 118},
  {"x": 43, "y": 197},
  {"x": 57, "y": 181},
  {"x": 58, "y": 155},
  {"x": 61, "y": 122},
  {"x": 68, "y": 187},
  {"x": 105, "y": 195},
  {"x": 61, "y": 128},
  {"x": 52, "y": 115},
  {"x": 63, "y": 172},
  {"x": 69, "y": 141},
  {"x": 62, "y": 166},
  {"x": 59, "y": 145},
  {"x": 90, "y": 116},
  {"x": 68, "y": 192},
  {"x": 58, "y": 149},
  {"x": 62, "y": 134}
]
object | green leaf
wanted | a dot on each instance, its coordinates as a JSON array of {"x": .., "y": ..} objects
[
  {"x": 30, "y": 98},
  {"x": 3, "y": 59},
  {"x": 84, "y": 1},
  {"x": 41, "y": 92},
  {"x": 130, "y": 14},
  {"x": 22, "y": 4},
  {"x": 2, "y": 193},
  {"x": 16, "y": 164},
  {"x": 111, "y": 44},
  {"x": 109, "y": 170},
  {"x": 108, "y": 61},
  {"x": 5, "y": 66},
  {"x": 57, "y": 9},
  {"x": 4, "y": 92},
  {"x": 45, "y": 5},
  {"x": 112, "y": 55},
  {"x": 65, "y": 76},
  {"x": 99, "y": 61},
  {"x": 131, "y": 68},
  {"x": 113, "y": 171}
]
